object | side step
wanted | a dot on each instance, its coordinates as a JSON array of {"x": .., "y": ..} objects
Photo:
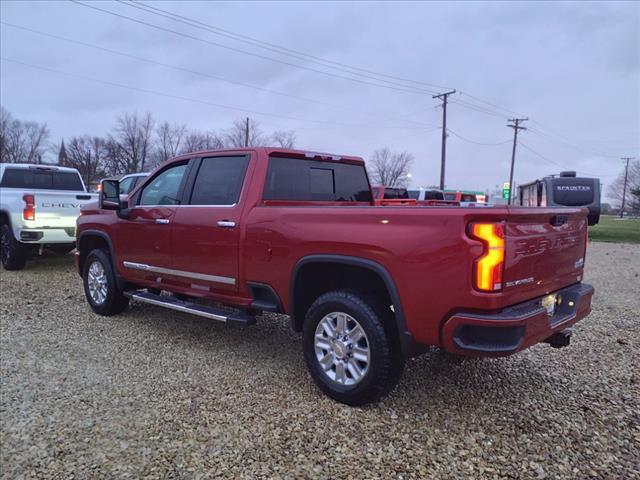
[{"x": 193, "y": 308}]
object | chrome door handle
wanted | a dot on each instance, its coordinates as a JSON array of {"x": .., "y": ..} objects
[
  {"x": 162, "y": 221},
  {"x": 226, "y": 224}
]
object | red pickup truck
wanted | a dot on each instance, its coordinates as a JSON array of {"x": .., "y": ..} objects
[{"x": 230, "y": 234}]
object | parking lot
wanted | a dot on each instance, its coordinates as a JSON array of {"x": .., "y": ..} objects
[{"x": 165, "y": 395}]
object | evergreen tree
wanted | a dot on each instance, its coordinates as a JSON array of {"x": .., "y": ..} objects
[{"x": 63, "y": 160}]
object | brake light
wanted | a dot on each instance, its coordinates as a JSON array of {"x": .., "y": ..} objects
[
  {"x": 488, "y": 268},
  {"x": 29, "y": 212}
]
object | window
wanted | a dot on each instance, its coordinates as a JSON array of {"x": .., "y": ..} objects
[
  {"x": 415, "y": 194},
  {"x": 127, "y": 185},
  {"x": 305, "y": 180},
  {"x": 450, "y": 196},
  {"x": 433, "y": 195},
  {"x": 395, "y": 193},
  {"x": 164, "y": 188},
  {"x": 219, "y": 180},
  {"x": 41, "y": 179}
]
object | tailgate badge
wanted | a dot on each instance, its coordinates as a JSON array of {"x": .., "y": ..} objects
[
  {"x": 579, "y": 263},
  {"x": 522, "y": 281}
]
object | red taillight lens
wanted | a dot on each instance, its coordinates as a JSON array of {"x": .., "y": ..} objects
[
  {"x": 489, "y": 267},
  {"x": 29, "y": 212}
]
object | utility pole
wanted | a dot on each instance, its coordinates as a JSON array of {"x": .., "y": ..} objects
[
  {"x": 515, "y": 124},
  {"x": 443, "y": 153},
  {"x": 246, "y": 134},
  {"x": 624, "y": 189}
]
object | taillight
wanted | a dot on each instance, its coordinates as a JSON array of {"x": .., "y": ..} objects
[
  {"x": 29, "y": 212},
  {"x": 488, "y": 268}
]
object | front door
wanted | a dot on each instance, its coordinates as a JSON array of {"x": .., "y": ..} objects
[
  {"x": 145, "y": 238},
  {"x": 206, "y": 232}
]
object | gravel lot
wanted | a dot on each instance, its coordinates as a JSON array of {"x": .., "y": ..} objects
[{"x": 157, "y": 394}]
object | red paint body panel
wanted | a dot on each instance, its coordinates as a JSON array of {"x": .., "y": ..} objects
[{"x": 425, "y": 249}]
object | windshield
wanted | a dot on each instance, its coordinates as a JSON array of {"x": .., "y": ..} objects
[{"x": 41, "y": 179}]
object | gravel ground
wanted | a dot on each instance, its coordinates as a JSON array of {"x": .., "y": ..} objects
[{"x": 158, "y": 394}]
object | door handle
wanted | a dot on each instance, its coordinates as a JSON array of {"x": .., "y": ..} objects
[
  {"x": 226, "y": 224},
  {"x": 162, "y": 221}
]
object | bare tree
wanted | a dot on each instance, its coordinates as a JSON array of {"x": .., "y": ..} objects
[
  {"x": 133, "y": 135},
  {"x": 283, "y": 138},
  {"x": 390, "y": 169},
  {"x": 633, "y": 183},
  {"x": 168, "y": 141},
  {"x": 88, "y": 155},
  {"x": 237, "y": 135},
  {"x": 21, "y": 141},
  {"x": 196, "y": 141}
]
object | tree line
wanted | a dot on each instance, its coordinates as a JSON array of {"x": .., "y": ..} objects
[{"x": 136, "y": 143}]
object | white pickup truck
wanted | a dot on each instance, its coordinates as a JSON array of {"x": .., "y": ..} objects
[{"x": 39, "y": 205}]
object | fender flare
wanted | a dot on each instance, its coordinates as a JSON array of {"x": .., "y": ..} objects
[
  {"x": 106, "y": 238},
  {"x": 408, "y": 345}
]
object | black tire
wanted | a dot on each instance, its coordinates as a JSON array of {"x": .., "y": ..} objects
[
  {"x": 385, "y": 359},
  {"x": 114, "y": 301},
  {"x": 61, "y": 248},
  {"x": 13, "y": 253}
]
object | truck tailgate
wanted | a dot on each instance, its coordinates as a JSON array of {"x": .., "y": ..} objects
[
  {"x": 545, "y": 249},
  {"x": 59, "y": 208}
]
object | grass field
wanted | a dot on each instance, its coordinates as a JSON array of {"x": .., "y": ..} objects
[{"x": 613, "y": 229}]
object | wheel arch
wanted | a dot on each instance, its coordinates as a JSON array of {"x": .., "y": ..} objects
[
  {"x": 309, "y": 280},
  {"x": 89, "y": 240}
]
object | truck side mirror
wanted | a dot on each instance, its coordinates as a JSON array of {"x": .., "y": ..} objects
[{"x": 110, "y": 195}]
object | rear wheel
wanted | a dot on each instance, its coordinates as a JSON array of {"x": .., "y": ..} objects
[
  {"x": 12, "y": 252},
  {"x": 100, "y": 285},
  {"x": 348, "y": 352}
]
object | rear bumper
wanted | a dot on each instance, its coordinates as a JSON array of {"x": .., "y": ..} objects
[
  {"x": 47, "y": 235},
  {"x": 515, "y": 328}
]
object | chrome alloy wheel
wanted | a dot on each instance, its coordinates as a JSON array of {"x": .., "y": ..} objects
[
  {"x": 342, "y": 348},
  {"x": 97, "y": 283}
]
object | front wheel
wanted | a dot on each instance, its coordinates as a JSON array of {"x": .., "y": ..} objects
[
  {"x": 347, "y": 349},
  {"x": 100, "y": 285},
  {"x": 12, "y": 252}
]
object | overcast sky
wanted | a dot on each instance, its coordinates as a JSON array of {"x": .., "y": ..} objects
[{"x": 572, "y": 68}]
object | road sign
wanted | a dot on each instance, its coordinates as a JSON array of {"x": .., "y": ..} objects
[{"x": 505, "y": 190}]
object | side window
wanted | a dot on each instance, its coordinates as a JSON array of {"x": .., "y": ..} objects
[
  {"x": 163, "y": 189},
  {"x": 126, "y": 185},
  {"x": 219, "y": 180},
  {"x": 310, "y": 180}
]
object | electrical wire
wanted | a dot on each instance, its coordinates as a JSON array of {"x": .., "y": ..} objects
[
  {"x": 206, "y": 75},
  {"x": 179, "y": 97},
  {"x": 270, "y": 46},
  {"x": 539, "y": 155},
  {"x": 474, "y": 142},
  {"x": 405, "y": 89}
]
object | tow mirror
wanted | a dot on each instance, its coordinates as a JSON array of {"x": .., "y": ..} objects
[{"x": 110, "y": 195}]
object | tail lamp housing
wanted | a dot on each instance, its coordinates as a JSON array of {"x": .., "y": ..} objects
[
  {"x": 489, "y": 267},
  {"x": 29, "y": 211}
]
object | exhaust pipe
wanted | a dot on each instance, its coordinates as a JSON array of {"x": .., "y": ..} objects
[{"x": 560, "y": 339}]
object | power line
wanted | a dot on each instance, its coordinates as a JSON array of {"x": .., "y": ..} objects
[
  {"x": 269, "y": 46},
  {"x": 564, "y": 167},
  {"x": 474, "y": 142},
  {"x": 178, "y": 97},
  {"x": 405, "y": 89},
  {"x": 559, "y": 139},
  {"x": 202, "y": 74}
]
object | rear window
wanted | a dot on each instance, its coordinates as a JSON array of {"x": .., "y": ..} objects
[
  {"x": 433, "y": 195},
  {"x": 415, "y": 194},
  {"x": 468, "y": 197},
  {"x": 29, "y": 178},
  {"x": 311, "y": 180},
  {"x": 450, "y": 196},
  {"x": 394, "y": 193},
  {"x": 573, "y": 192}
]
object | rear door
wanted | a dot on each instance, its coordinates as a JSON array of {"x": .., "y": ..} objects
[
  {"x": 206, "y": 231},
  {"x": 545, "y": 249}
]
